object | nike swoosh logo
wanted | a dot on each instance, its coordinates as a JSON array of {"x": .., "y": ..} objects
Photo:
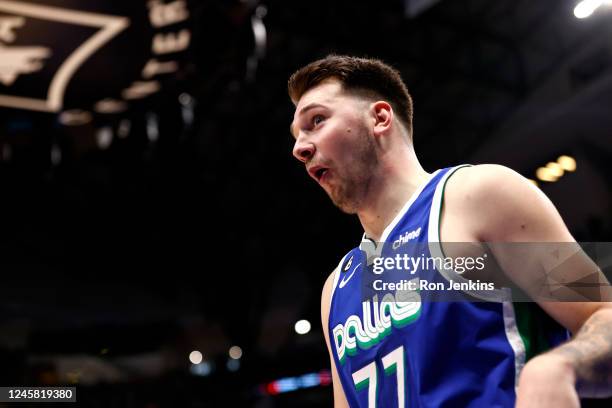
[{"x": 344, "y": 281}]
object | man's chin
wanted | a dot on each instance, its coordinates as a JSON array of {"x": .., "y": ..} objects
[
  {"x": 347, "y": 210},
  {"x": 345, "y": 205}
]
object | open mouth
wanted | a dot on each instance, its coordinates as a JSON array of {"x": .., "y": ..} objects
[{"x": 320, "y": 173}]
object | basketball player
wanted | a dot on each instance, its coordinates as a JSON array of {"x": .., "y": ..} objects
[{"x": 353, "y": 132}]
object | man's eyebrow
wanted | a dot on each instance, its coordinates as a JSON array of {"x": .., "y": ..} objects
[{"x": 303, "y": 111}]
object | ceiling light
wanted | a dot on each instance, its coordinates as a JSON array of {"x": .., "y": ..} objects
[
  {"x": 555, "y": 169},
  {"x": 235, "y": 352},
  {"x": 586, "y": 7},
  {"x": 543, "y": 173},
  {"x": 195, "y": 357},
  {"x": 568, "y": 163},
  {"x": 302, "y": 326}
]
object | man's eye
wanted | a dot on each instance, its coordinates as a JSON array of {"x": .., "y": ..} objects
[{"x": 316, "y": 119}]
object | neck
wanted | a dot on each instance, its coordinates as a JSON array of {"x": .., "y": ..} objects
[{"x": 394, "y": 183}]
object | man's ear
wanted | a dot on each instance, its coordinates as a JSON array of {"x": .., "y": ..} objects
[{"x": 382, "y": 113}]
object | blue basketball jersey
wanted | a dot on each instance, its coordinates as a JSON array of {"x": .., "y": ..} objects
[{"x": 417, "y": 353}]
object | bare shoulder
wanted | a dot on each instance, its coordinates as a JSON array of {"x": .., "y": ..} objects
[
  {"x": 326, "y": 299},
  {"x": 498, "y": 204},
  {"x": 339, "y": 396},
  {"x": 484, "y": 180},
  {"x": 327, "y": 286}
]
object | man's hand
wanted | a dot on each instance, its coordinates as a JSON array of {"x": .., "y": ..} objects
[{"x": 547, "y": 381}]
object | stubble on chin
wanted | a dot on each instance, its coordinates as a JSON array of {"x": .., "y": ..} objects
[
  {"x": 353, "y": 186},
  {"x": 344, "y": 203}
]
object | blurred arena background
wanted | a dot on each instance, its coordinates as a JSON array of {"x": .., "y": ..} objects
[{"x": 160, "y": 247}]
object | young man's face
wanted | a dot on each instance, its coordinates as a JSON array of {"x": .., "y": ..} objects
[{"x": 335, "y": 143}]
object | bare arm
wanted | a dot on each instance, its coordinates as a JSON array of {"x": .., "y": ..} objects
[
  {"x": 339, "y": 397},
  {"x": 502, "y": 207},
  {"x": 590, "y": 355}
]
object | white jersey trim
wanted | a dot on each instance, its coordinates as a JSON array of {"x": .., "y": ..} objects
[
  {"x": 337, "y": 274},
  {"x": 515, "y": 340},
  {"x": 367, "y": 242},
  {"x": 498, "y": 295},
  {"x": 435, "y": 247}
]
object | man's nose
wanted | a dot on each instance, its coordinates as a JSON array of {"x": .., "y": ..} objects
[{"x": 303, "y": 151}]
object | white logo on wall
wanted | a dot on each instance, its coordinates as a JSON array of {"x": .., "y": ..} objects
[{"x": 16, "y": 61}]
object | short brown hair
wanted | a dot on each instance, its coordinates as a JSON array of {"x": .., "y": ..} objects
[{"x": 369, "y": 76}]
